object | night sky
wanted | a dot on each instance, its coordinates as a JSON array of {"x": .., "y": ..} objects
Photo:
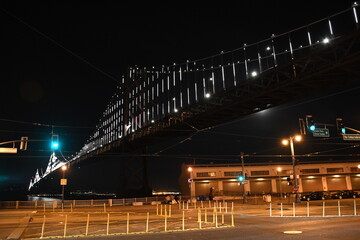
[{"x": 60, "y": 63}]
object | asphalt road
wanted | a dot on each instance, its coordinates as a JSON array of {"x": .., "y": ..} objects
[
  {"x": 263, "y": 228},
  {"x": 251, "y": 221}
]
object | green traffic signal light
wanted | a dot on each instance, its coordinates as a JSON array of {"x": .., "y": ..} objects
[
  {"x": 55, "y": 145},
  {"x": 241, "y": 178},
  {"x": 55, "y": 142}
]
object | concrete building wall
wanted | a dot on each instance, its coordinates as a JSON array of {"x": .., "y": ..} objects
[{"x": 266, "y": 178}]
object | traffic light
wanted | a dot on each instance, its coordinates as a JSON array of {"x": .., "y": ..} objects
[
  {"x": 310, "y": 123},
  {"x": 241, "y": 178},
  {"x": 289, "y": 181},
  {"x": 340, "y": 126},
  {"x": 23, "y": 143},
  {"x": 54, "y": 142}
]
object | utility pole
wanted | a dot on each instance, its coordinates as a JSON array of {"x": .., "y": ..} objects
[{"x": 243, "y": 174}]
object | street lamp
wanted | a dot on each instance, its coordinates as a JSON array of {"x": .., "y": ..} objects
[
  {"x": 190, "y": 170},
  {"x": 279, "y": 173},
  {"x": 290, "y": 141},
  {"x": 63, "y": 182}
]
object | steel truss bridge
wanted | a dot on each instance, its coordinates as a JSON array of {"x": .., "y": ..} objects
[{"x": 160, "y": 103}]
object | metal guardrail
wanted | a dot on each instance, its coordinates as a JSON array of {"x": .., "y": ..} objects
[{"x": 76, "y": 203}]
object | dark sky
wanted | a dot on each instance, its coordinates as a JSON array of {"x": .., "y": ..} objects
[{"x": 60, "y": 62}]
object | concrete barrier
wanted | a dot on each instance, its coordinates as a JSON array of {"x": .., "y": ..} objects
[{"x": 137, "y": 203}]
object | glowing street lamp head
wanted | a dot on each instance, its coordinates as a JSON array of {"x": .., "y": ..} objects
[
  {"x": 298, "y": 138},
  {"x": 189, "y": 169},
  {"x": 279, "y": 169},
  {"x": 207, "y": 95},
  {"x": 326, "y": 40},
  {"x": 64, "y": 168},
  {"x": 285, "y": 142}
]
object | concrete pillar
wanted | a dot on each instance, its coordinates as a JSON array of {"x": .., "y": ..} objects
[
  {"x": 192, "y": 189},
  {"x": 221, "y": 187},
  {"x": 300, "y": 185},
  {"x": 348, "y": 183},
  {"x": 247, "y": 186},
  {"x": 273, "y": 186},
  {"x": 324, "y": 183}
]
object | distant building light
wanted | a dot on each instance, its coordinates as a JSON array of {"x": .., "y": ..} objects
[
  {"x": 268, "y": 48},
  {"x": 326, "y": 40},
  {"x": 175, "y": 110},
  {"x": 207, "y": 95},
  {"x": 254, "y": 73}
]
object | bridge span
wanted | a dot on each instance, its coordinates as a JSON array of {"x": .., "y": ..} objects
[{"x": 153, "y": 104}]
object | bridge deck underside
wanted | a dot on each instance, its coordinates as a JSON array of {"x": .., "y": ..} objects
[{"x": 322, "y": 69}]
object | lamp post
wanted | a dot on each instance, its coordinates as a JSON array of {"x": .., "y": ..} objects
[
  {"x": 290, "y": 141},
  {"x": 63, "y": 182},
  {"x": 190, "y": 170},
  {"x": 279, "y": 173}
]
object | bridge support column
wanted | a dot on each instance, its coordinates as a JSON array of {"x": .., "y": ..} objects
[
  {"x": 324, "y": 183},
  {"x": 273, "y": 186},
  {"x": 348, "y": 183}
]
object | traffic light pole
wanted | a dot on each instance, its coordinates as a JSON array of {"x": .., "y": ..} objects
[
  {"x": 243, "y": 174},
  {"x": 297, "y": 196}
]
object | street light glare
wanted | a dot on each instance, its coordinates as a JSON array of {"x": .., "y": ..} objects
[
  {"x": 279, "y": 169},
  {"x": 64, "y": 168},
  {"x": 285, "y": 142},
  {"x": 189, "y": 169},
  {"x": 298, "y": 138}
]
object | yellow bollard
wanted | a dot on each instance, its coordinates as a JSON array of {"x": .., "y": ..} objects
[
  {"x": 183, "y": 220},
  {"x": 232, "y": 219},
  {"x": 65, "y": 224},
  {"x": 165, "y": 225},
  {"x": 161, "y": 209},
  {"x": 355, "y": 207},
  {"x": 222, "y": 219},
  {"x": 199, "y": 216},
  {"x": 107, "y": 224},
  {"x": 205, "y": 215},
  {"x": 127, "y": 223},
  {"x": 202, "y": 205},
  {"x": 214, "y": 210},
  {"x": 147, "y": 222},
  {"x": 87, "y": 225},
  {"x": 43, "y": 228},
  {"x": 216, "y": 219}
]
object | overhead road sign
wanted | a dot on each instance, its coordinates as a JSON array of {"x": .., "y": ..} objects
[
  {"x": 321, "y": 132},
  {"x": 8, "y": 150},
  {"x": 351, "y": 137}
]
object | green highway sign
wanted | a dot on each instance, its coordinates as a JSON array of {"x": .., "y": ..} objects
[
  {"x": 351, "y": 137},
  {"x": 321, "y": 132}
]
